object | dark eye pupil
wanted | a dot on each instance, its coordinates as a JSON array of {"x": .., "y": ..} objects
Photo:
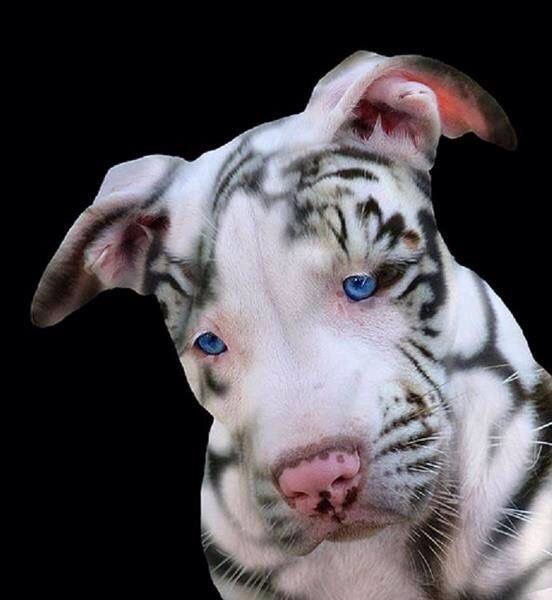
[
  {"x": 359, "y": 287},
  {"x": 210, "y": 343},
  {"x": 358, "y": 282}
]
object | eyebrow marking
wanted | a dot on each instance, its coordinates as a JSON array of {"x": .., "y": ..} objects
[
  {"x": 393, "y": 227},
  {"x": 341, "y": 235},
  {"x": 370, "y": 207},
  {"x": 347, "y": 174}
]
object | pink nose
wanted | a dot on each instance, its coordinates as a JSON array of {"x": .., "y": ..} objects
[{"x": 324, "y": 483}]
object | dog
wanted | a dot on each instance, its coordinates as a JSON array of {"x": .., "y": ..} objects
[{"x": 381, "y": 429}]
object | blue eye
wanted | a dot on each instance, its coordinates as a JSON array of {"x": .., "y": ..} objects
[
  {"x": 210, "y": 343},
  {"x": 359, "y": 287}
]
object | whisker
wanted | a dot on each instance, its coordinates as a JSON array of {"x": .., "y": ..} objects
[
  {"x": 506, "y": 533},
  {"x": 498, "y": 366},
  {"x": 441, "y": 533},
  {"x": 427, "y": 565},
  {"x": 513, "y": 377},
  {"x": 543, "y": 426},
  {"x": 438, "y": 544},
  {"x": 495, "y": 548}
]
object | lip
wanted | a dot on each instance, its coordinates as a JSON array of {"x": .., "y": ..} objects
[{"x": 353, "y": 523}]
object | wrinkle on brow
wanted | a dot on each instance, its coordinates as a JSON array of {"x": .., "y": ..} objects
[{"x": 267, "y": 286}]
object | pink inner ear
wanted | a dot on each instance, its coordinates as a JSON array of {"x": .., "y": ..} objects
[
  {"x": 133, "y": 239},
  {"x": 127, "y": 243},
  {"x": 153, "y": 222},
  {"x": 367, "y": 114},
  {"x": 458, "y": 114},
  {"x": 404, "y": 109}
]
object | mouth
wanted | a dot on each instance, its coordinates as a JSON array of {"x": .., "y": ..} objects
[{"x": 354, "y": 522}]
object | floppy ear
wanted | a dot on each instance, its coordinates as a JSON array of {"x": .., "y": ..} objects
[
  {"x": 107, "y": 247},
  {"x": 403, "y": 104}
]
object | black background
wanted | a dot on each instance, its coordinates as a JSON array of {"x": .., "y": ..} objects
[{"x": 111, "y": 439}]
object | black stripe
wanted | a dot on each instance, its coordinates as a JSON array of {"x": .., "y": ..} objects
[
  {"x": 227, "y": 179},
  {"x": 410, "y": 444},
  {"x": 206, "y": 273},
  {"x": 425, "y": 553},
  {"x": 422, "y": 179},
  {"x": 361, "y": 154},
  {"x": 149, "y": 283},
  {"x": 370, "y": 207},
  {"x": 309, "y": 165},
  {"x": 393, "y": 228},
  {"x": 533, "y": 481},
  {"x": 217, "y": 464},
  {"x": 430, "y": 332},
  {"x": 213, "y": 384},
  {"x": 228, "y": 162},
  {"x": 423, "y": 350},
  {"x": 490, "y": 354},
  {"x": 346, "y": 174},
  {"x": 68, "y": 282},
  {"x": 437, "y": 279},
  {"x": 163, "y": 184},
  {"x": 402, "y": 422},
  {"x": 419, "y": 368},
  {"x": 341, "y": 235},
  {"x": 157, "y": 278},
  {"x": 414, "y": 284}
]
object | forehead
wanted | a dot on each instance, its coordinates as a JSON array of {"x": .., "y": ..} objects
[{"x": 281, "y": 219}]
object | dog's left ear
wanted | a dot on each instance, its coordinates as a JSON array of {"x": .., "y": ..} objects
[{"x": 401, "y": 105}]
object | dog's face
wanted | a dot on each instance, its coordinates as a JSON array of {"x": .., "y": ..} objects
[
  {"x": 319, "y": 332},
  {"x": 307, "y": 290}
]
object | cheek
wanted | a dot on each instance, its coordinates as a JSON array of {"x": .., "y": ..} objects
[
  {"x": 375, "y": 319},
  {"x": 216, "y": 385},
  {"x": 192, "y": 372}
]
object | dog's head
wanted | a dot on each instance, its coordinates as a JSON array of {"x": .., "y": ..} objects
[{"x": 306, "y": 288}]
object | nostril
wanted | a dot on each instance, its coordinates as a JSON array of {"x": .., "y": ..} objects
[
  {"x": 297, "y": 495},
  {"x": 340, "y": 480}
]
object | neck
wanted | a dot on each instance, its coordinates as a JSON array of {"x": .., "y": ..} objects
[
  {"x": 490, "y": 381},
  {"x": 485, "y": 334}
]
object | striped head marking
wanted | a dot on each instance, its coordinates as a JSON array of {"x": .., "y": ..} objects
[{"x": 307, "y": 290}]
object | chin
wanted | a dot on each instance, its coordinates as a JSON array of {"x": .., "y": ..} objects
[
  {"x": 356, "y": 523},
  {"x": 355, "y": 531}
]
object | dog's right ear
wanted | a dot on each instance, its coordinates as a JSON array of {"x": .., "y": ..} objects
[{"x": 108, "y": 245}]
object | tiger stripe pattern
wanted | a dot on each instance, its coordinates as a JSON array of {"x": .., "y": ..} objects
[{"x": 382, "y": 444}]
